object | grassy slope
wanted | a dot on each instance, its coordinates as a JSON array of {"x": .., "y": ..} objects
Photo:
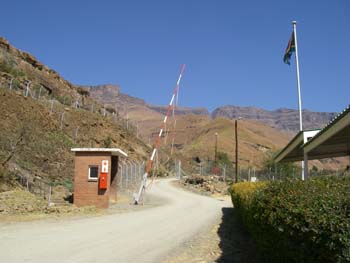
[
  {"x": 195, "y": 137},
  {"x": 44, "y": 148},
  {"x": 41, "y": 146},
  {"x": 255, "y": 140}
]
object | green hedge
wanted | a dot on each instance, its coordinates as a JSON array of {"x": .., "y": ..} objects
[{"x": 296, "y": 221}]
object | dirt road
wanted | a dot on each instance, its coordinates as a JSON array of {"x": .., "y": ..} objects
[{"x": 148, "y": 235}]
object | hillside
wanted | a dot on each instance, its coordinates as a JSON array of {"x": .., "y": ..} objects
[
  {"x": 22, "y": 71},
  {"x": 195, "y": 140},
  {"x": 261, "y": 132},
  {"x": 56, "y": 115},
  {"x": 40, "y": 125},
  {"x": 255, "y": 140},
  {"x": 285, "y": 120},
  {"x": 282, "y": 119}
]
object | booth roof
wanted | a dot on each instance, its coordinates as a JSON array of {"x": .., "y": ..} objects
[{"x": 114, "y": 151}]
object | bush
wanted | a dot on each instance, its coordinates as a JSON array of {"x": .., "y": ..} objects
[
  {"x": 297, "y": 221},
  {"x": 107, "y": 143},
  {"x": 8, "y": 180}
]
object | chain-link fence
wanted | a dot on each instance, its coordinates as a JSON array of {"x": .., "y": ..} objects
[
  {"x": 228, "y": 172},
  {"x": 129, "y": 176},
  {"x": 57, "y": 105},
  {"x": 36, "y": 186},
  {"x": 128, "y": 181}
]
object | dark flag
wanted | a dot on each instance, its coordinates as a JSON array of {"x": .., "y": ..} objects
[{"x": 289, "y": 50}]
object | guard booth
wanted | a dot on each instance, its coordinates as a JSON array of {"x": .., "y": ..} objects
[{"x": 95, "y": 176}]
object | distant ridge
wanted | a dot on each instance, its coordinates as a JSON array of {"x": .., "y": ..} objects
[
  {"x": 112, "y": 96},
  {"x": 282, "y": 119}
]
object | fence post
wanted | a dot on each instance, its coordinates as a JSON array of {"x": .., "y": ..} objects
[
  {"x": 49, "y": 199},
  {"x": 27, "y": 89},
  {"x": 10, "y": 83},
  {"x": 76, "y": 134},
  {"x": 39, "y": 95},
  {"x": 51, "y": 109},
  {"x": 130, "y": 179},
  {"x": 140, "y": 170},
  {"x": 62, "y": 117},
  {"x": 224, "y": 173},
  {"x": 178, "y": 169},
  {"x": 135, "y": 172},
  {"x": 121, "y": 176},
  {"x": 126, "y": 175}
]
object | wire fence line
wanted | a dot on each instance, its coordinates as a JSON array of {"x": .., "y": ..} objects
[
  {"x": 57, "y": 105},
  {"x": 129, "y": 176},
  {"x": 36, "y": 186},
  {"x": 228, "y": 172},
  {"x": 130, "y": 173}
]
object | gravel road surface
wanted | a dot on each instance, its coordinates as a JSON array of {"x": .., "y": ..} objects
[{"x": 147, "y": 235}]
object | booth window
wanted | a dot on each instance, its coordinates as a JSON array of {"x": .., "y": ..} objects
[{"x": 93, "y": 173}]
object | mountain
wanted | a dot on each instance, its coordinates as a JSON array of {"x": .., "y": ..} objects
[
  {"x": 263, "y": 131},
  {"x": 42, "y": 121},
  {"x": 111, "y": 96},
  {"x": 56, "y": 115},
  {"x": 286, "y": 120},
  {"x": 181, "y": 110},
  {"x": 19, "y": 70},
  {"x": 282, "y": 119}
]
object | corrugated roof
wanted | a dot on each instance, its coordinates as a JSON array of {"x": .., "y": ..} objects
[{"x": 331, "y": 123}]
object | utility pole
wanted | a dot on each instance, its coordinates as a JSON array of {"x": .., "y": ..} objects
[
  {"x": 236, "y": 156},
  {"x": 216, "y": 150},
  {"x": 137, "y": 129}
]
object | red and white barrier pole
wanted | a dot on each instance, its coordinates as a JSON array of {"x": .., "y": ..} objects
[{"x": 156, "y": 144}]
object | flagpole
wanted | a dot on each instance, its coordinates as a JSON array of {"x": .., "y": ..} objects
[
  {"x": 298, "y": 75},
  {"x": 304, "y": 169}
]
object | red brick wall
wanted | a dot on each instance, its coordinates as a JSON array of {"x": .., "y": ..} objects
[{"x": 87, "y": 192}]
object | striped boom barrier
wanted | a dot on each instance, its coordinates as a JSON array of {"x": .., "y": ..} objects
[{"x": 156, "y": 144}]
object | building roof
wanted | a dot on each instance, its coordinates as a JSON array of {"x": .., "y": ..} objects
[
  {"x": 113, "y": 151},
  {"x": 332, "y": 141},
  {"x": 293, "y": 151}
]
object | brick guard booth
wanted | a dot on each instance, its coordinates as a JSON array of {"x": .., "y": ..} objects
[{"x": 95, "y": 176}]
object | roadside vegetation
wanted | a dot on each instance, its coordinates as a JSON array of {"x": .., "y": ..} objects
[{"x": 297, "y": 221}]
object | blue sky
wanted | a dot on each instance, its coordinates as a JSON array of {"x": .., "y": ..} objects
[{"x": 233, "y": 49}]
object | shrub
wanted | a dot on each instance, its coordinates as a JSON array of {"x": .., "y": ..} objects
[
  {"x": 297, "y": 221},
  {"x": 107, "y": 143}
]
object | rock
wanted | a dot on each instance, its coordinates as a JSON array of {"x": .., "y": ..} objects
[
  {"x": 282, "y": 119},
  {"x": 30, "y": 208}
]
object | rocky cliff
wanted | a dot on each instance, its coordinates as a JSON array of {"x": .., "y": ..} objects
[
  {"x": 181, "y": 110},
  {"x": 19, "y": 68},
  {"x": 111, "y": 96},
  {"x": 282, "y": 119}
]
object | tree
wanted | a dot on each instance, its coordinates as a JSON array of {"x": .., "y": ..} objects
[
  {"x": 282, "y": 170},
  {"x": 223, "y": 159}
]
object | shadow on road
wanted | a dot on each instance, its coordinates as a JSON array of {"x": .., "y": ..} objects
[{"x": 235, "y": 242}]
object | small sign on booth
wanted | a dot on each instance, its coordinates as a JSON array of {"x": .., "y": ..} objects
[
  {"x": 104, "y": 166},
  {"x": 103, "y": 175}
]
